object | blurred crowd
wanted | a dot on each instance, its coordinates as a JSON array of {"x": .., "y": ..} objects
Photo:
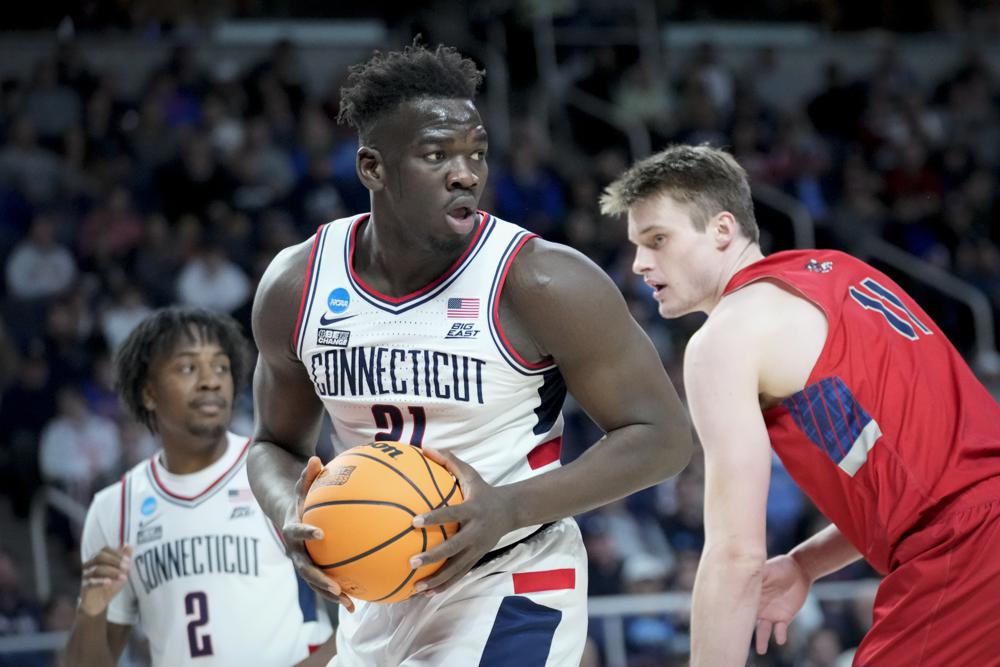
[{"x": 112, "y": 204}]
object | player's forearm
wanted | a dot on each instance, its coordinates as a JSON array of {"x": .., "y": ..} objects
[
  {"x": 273, "y": 471},
  {"x": 626, "y": 460},
  {"x": 724, "y": 607},
  {"x": 88, "y": 642},
  {"x": 825, "y": 552}
]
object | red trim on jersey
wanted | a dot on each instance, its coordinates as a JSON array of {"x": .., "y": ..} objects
[
  {"x": 305, "y": 290},
  {"x": 423, "y": 290},
  {"x": 313, "y": 648},
  {"x": 159, "y": 482},
  {"x": 545, "y": 453},
  {"x": 544, "y": 580},
  {"x": 121, "y": 522},
  {"x": 496, "y": 310}
]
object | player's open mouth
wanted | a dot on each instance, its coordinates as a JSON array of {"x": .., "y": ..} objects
[{"x": 462, "y": 219}]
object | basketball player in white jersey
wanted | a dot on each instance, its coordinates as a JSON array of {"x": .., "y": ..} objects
[
  {"x": 180, "y": 544},
  {"x": 430, "y": 322}
]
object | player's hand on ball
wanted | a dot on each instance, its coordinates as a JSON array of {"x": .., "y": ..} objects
[
  {"x": 484, "y": 518},
  {"x": 782, "y": 594},
  {"x": 296, "y": 532},
  {"x": 104, "y": 576}
]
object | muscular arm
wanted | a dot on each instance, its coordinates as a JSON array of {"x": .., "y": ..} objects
[
  {"x": 287, "y": 413},
  {"x": 720, "y": 377},
  {"x": 558, "y": 304}
]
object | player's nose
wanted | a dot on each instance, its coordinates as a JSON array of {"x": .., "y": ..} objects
[
  {"x": 642, "y": 262},
  {"x": 462, "y": 176}
]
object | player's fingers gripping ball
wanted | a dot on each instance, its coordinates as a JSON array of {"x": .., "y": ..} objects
[{"x": 364, "y": 501}]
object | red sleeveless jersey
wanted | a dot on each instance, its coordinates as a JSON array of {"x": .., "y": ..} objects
[{"x": 892, "y": 425}]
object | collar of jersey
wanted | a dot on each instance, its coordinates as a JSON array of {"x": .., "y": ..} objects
[
  {"x": 401, "y": 303},
  {"x": 205, "y": 493}
]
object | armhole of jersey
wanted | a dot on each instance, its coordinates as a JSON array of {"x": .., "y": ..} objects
[
  {"x": 123, "y": 512},
  {"x": 789, "y": 287},
  {"x": 507, "y": 350},
  {"x": 307, "y": 292}
]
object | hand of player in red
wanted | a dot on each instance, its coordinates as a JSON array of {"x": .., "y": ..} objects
[
  {"x": 484, "y": 517},
  {"x": 782, "y": 594},
  {"x": 296, "y": 532},
  {"x": 104, "y": 576}
]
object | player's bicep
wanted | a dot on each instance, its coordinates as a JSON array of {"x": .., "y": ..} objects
[
  {"x": 720, "y": 379},
  {"x": 286, "y": 408}
]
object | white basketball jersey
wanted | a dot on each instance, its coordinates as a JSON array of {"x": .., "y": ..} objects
[
  {"x": 209, "y": 582},
  {"x": 432, "y": 368}
]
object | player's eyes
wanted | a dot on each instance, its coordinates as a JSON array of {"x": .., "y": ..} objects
[
  {"x": 479, "y": 155},
  {"x": 435, "y": 156}
]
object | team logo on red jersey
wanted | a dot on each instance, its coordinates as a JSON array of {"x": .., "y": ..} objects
[{"x": 819, "y": 267}]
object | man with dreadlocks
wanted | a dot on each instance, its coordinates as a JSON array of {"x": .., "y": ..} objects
[
  {"x": 180, "y": 543},
  {"x": 431, "y": 322}
]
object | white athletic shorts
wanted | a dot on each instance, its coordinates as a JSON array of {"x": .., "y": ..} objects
[{"x": 525, "y": 608}]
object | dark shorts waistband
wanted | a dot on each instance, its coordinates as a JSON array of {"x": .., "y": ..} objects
[{"x": 497, "y": 553}]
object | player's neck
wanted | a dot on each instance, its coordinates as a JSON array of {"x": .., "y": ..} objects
[
  {"x": 183, "y": 456},
  {"x": 395, "y": 262},
  {"x": 747, "y": 254}
]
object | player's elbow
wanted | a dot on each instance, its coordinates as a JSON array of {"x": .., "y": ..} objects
[
  {"x": 668, "y": 450},
  {"x": 675, "y": 448}
]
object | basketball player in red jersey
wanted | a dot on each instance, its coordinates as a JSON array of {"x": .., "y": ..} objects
[
  {"x": 870, "y": 408},
  {"x": 377, "y": 319}
]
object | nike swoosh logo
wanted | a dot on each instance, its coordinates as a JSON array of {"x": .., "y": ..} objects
[{"x": 325, "y": 321}]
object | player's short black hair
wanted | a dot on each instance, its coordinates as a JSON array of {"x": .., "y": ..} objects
[
  {"x": 158, "y": 334},
  {"x": 379, "y": 86}
]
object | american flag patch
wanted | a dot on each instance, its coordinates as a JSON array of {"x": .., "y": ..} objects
[
  {"x": 467, "y": 309},
  {"x": 240, "y": 496}
]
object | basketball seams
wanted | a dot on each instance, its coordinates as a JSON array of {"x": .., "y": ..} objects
[
  {"x": 395, "y": 470},
  {"x": 413, "y": 571},
  {"x": 430, "y": 473},
  {"x": 363, "y": 554}
]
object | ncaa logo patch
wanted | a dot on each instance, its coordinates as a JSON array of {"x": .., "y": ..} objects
[
  {"x": 338, "y": 301},
  {"x": 339, "y": 476},
  {"x": 148, "y": 506},
  {"x": 333, "y": 337}
]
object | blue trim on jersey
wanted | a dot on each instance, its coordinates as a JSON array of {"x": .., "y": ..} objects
[
  {"x": 829, "y": 415},
  {"x": 314, "y": 281},
  {"x": 552, "y": 394},
  {"x": 494, "y": 295},
  {"x": 307, "y": 600},
  {"x": 521, "y": 635},
  {"x": 489, "y": 225}
]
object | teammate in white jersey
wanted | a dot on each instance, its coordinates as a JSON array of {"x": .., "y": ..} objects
[
  {"x": 180, "y": 543},
  {"x": 430, "y": 322}
]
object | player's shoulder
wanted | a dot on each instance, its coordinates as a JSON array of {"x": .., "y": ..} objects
[
  {"x": 554, "y": 268},
  {"x": 276, "y": 303}
]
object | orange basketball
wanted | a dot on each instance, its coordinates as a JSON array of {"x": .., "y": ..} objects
[{"x": 365, "y": 500}]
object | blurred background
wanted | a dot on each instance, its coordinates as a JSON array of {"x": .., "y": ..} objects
[{"x": 159, "y": 152}]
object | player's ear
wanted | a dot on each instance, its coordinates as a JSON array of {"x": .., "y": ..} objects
[
  {"x": 723, "y": 228},
  {"x": 148, "y": 400},
  {"x": 370, "y": 168}
]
